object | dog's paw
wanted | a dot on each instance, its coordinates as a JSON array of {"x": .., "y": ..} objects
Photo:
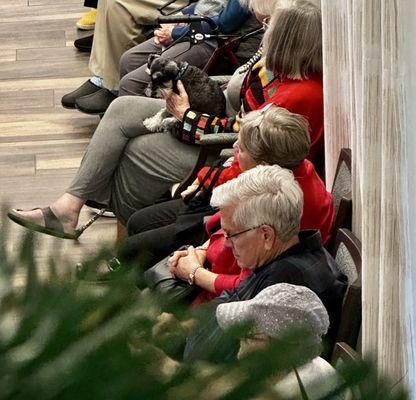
[{"x": 153, "y": 124}]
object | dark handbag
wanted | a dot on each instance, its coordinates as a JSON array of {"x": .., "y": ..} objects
[{"x": 159, "y": 279}]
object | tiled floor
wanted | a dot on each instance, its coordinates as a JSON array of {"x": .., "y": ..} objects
[{"x": 41, "y": 144}]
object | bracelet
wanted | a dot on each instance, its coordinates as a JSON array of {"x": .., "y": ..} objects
[
  {"x": 191, "y": 278},
  {"x": 201, "y": 248}
]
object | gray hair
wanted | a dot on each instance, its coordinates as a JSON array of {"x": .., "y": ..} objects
[
  {"x": 265, "y": 195},
  {"x": 275, "y": 136},
  {"x": 293, "y": 41}
]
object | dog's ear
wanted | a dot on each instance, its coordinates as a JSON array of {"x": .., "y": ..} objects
[
  {"x": 150, "y": 60},
  {"x": 171, "y": 69}
]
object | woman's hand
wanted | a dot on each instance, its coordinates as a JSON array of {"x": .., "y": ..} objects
[
  {"x": 173, "y": 260},
  {"x": 177, "y": 104},
  {"x": 186, "y": 265},
  {"x": 190, "y": 189}
]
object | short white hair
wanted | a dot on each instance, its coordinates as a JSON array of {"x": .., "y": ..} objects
[{"x": 264, "y": 195}]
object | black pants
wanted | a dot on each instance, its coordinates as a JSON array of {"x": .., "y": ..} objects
[
  {"x": 154, "y": 233},
  {"x": 90, "y": 3}
]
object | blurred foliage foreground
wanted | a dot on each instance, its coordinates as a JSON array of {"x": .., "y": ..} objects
[{"x": 63, "y": 339}]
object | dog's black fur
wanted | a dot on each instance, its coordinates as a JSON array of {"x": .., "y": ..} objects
[{"x": 205, "y": 95}]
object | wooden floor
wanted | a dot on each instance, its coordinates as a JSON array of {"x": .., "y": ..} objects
[{"x": 41, "y": 143}]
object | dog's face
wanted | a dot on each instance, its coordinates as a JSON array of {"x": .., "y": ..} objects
[{"x": 162, "y": 72}]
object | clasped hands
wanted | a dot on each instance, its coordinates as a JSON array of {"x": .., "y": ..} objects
[
  {"x": 183, "y": 262},
  {"x": 163, "y": 34}
]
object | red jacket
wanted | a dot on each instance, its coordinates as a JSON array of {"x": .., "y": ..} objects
[{"x": 318, "y": 213}]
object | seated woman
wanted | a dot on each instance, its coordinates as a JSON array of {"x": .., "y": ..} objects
[
  {"x": 260, "y": 218},
  {"x": 126, "y": 169},
  {"x": 229, "y": 15},
  {"x": 274, "y": 136}
]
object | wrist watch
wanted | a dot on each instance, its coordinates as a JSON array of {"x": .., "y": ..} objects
[{"x": 191, "y": 277}]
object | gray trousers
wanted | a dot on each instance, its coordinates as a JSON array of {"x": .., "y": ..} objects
[
  {"x": 133, "y": 63},
  {"x": 120, "y": 25},
  {"x": 125, "y": 166}
]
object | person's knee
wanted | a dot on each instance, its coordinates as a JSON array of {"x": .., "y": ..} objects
[
  {"x": 134, "y": 83},
  {"x": 125, "y": 63},
  {"x": 134, "y": 224},
  {"x": 125, "y": 85},
  {"x": 117, "y": 108}
]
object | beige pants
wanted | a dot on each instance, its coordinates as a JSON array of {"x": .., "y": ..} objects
[{"x": 120, "y": 25}]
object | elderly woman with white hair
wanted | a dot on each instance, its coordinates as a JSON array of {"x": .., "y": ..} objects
[{"x": 260, "y": 217}]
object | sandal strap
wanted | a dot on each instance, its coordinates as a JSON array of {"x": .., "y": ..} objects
[{"x": 51, "y": 220}]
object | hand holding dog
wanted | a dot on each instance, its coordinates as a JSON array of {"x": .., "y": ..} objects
[{"x": 177, "y": 104}]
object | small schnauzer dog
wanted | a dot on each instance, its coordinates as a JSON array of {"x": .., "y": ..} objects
[{"x": 205, "y": 95}]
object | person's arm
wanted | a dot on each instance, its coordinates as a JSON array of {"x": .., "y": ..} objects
[
  {"x": 179, "y": 31},
  {"x": 229, "y": 19},
  {"x": 229, "y": 281},
  {"x": 232, "y": 17},
  {"x": 189, "y": 10},
  {"x": 195, "y": 124},
  {"x": 205, "y": 279},
  {"x": 226, "y": 175}
]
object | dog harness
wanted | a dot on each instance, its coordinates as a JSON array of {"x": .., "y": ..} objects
[
  {"x": 180, "y": 74},
  {"x": 182, "y": 70}
]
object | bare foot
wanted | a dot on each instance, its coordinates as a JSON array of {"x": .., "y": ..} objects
[{"x": 32, "y": 215}]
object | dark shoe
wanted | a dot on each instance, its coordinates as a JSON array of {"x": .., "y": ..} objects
[
  {"x": 84, "y": 44},
  {"x": 52, "y": 225},
  {"x": 95, "y": 103},
  {"x": 68, "y": 101}
]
